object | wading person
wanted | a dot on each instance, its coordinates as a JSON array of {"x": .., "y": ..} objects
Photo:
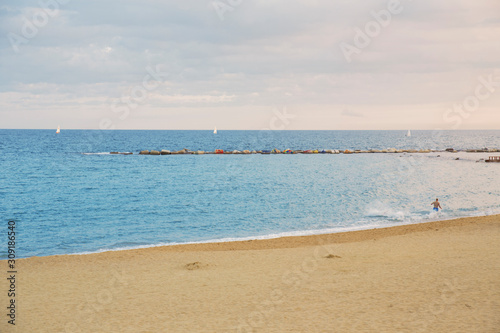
[{"x": 437, "y": 205}]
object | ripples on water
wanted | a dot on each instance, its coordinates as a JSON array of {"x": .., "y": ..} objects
[{"x": 68, "y": 202}]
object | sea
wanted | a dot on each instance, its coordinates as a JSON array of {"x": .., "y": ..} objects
[{"x": 68, "y": 195}]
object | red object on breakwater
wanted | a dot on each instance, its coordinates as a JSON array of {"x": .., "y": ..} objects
[{"x": 219, "y": 151}]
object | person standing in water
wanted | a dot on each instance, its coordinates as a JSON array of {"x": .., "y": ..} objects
[{"x": 437, "y": 205}]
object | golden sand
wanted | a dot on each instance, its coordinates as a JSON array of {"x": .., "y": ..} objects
[{"x": 431, "y": 277}]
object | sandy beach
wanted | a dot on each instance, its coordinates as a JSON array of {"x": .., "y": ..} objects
[{"x": 431, "y": 277}]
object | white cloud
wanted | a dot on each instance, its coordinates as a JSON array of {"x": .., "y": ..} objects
[
  {"x": 265, "y": 53},
  {"x": 187, "y": 99},
  {"x": 350, "y": 113}
]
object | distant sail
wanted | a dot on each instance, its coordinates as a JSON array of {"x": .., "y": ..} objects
[
  {"x": 408, "y": 134},
  {"x": 215, "y": 130},
  {"x": 58, "y": 130}
]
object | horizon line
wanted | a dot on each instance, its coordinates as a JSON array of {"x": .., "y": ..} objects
[{"x": 270, "y": 130}]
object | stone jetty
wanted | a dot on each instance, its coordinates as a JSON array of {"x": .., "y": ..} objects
[{"x": 186, "y": 151}]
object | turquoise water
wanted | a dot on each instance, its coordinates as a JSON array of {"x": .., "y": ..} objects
[{"x": 68, "y": 195}]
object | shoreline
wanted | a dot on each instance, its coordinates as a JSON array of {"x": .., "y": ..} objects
[
  {"x": 311, "y": 240},
  {"x": 282, "y": 241},
  {"x": 409, "y": 278}
]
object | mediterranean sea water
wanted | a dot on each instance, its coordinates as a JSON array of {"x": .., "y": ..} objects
[{"x": 68, "y": 195}]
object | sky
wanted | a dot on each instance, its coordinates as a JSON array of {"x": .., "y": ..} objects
[{"x": 250, "y": 64}]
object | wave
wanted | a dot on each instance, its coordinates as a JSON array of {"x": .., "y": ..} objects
[
  {"x": 429, "y": 217},
  {"x": 242, "y": 239},
  {"x": 380, "y": 210},
  {"x": 109, "y": 153}
]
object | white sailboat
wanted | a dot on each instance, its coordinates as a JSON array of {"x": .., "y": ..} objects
[
  {"x": 408, "y": 134},
  {"x": 58, "y": 130},
  {"x": 215, "y": 130}
]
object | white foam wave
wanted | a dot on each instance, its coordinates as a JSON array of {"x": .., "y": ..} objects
[
  {"x": 109, "y": 153},
  {"x": 361, "y": 225},
  {"x": 378, "y": 209},
  {"x": 242, "y": 239}
]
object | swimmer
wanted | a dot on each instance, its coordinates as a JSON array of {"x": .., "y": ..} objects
[{"x": 437, "y": 205}]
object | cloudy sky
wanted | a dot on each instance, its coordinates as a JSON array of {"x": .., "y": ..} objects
[{"x": 238, "y": 64}]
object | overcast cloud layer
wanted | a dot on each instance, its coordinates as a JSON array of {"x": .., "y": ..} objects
[{"x": 196, "y": 64}]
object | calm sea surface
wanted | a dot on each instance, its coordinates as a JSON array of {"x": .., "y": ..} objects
[{"x": 68, "y": 195}]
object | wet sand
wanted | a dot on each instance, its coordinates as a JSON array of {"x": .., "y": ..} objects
[{"x": 430, "y": 277}]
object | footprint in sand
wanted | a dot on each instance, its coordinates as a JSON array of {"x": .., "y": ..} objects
[
  {"x": 332, "y": 256},
  {"x": 193, "y": 266}
]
